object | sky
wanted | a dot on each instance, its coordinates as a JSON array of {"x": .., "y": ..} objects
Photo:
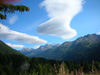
[{"x": 50, "y": 22}]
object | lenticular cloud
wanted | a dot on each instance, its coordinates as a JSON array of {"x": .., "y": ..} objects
[
  {"x": 61, "y": 13},
  {"x": 6, "y": 33}
]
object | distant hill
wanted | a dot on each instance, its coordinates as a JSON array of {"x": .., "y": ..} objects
[
  {"x": 83, "y": 48},
  {"x": 6, "y": 49},
  {"x": 31, "y": 52}
]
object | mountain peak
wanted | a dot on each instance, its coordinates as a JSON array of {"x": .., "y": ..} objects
[
  {"x": 48, "y": 46},
  {"x": 41, "y": 49},
  {"x": 91, "y": 35},
  {"x": 27, "y": 49},
  {"x": 93, "y": 38}
]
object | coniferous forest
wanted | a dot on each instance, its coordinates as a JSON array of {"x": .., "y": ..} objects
[{"x": 16, "y": 64}]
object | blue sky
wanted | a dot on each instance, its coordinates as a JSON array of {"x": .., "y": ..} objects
[{"x": 50, "y": 22}]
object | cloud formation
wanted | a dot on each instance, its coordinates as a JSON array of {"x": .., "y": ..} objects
[
  {"x": 61, "y": 13},
  {"x": 13, "y": 19},
  {"x": 6, "y": 33},
  {"x": 98, "y": 33},
  {"x": 36, "y": 47},
  {"x": 15, "y": 46}
]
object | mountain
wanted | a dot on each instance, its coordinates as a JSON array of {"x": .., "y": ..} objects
[
  {"x": 26, "y": 50},
  {"x": 12, "y": 61},
  {"x": 31, "y": 52},
  {"x": 48, "y": 46},
  {"x": 6, "y": 49},
  {"x": 83, "y": 48}
]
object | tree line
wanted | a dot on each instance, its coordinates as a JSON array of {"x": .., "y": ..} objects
[{"x": 17, "y": 64}]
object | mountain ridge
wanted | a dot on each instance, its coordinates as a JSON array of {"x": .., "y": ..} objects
[
  {"x": 4, "y": 48},
  {"x": 75, "y": 50},
  {"x": 31, "y": 51}
]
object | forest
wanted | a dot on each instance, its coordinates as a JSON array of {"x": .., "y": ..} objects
[{"x": 18, "y": 64}]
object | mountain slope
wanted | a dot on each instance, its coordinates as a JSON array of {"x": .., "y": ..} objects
[
  {"x": 32, "y": 52},
  {"x": 83, "y": 48},
  {"x": 6, "y": 49}
]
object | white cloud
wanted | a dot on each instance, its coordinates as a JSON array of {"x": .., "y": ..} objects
[
  {"x": 61, "y": 13},
  {"x": 6, "y": 33},
  {"x": 15, "y": 46},
  {"x": 98, "y": 33},
  {"x": 13, "y": 19},
  {"x": 36, "y": 47}
]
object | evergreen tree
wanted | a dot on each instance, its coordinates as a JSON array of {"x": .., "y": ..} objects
[{"x": 5, "y": 8}]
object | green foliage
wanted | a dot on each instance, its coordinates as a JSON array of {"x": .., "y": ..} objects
[
  {"x": 2, "y": 16},
  {"x": 10, "y": 64},
  {"x": 6, "y": 49},
  {"x": 10, "y": 8}
]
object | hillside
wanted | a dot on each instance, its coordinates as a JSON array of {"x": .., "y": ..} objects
[
  {"x": 6, "y": 49},
  {"x": 83, "y": 48}
]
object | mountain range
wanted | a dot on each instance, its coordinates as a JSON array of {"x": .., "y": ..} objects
[
  {"x": 82, "y": 49},
  {"x": 32, "y": 52},
  {"x": 86, "y": 48}
]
